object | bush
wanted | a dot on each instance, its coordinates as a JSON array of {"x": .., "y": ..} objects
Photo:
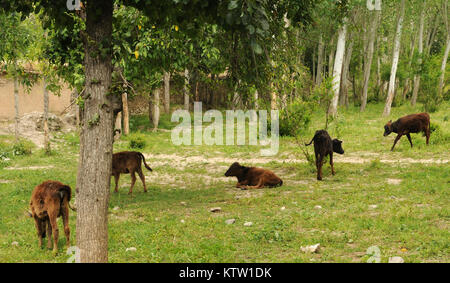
[
  {"x": 295, "y": 118},
  {"x": 137, "y": 142},
  {"x": 22, "y": 148}
]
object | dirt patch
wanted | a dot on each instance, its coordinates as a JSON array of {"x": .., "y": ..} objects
[
  {"x": 29, "y": 167},
  {"x": 394, "y": 181}
]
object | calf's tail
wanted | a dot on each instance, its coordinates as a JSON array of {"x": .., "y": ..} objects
[
  {"x": 143, "y": 159},
  {"x": 310, "y": 142}
]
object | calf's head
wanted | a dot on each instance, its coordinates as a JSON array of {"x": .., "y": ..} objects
[
  {"x": 337, "y": 146},
  {"x": 234, "y": 170},
  {"x": 387, "y": 128}
]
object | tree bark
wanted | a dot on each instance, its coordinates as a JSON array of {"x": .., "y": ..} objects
[
  {"x": 96, "y": 138},
  {"x": 417, "y": 77},
  {"x": 167, "y": 92},
  {"x": 368, "y": 61},
  {"x": 338, "y": 60},
  {"x": 186, "y": 90},
  {"x": 156, "y": 109},
  {"x": 16, "y": 108},
  {"x": 319, "y": 61},
  {"x": 45, "y": 120},
  {"x": 443, "y": 65},
  {"x": 343, "y": 97},
  {"x": 126, "y": 114},
  {"x": 395, "y": 56}
]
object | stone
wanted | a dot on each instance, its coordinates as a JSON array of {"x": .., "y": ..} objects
[
  {"x": 248, "y": 223},
  {"x": 215, "y": 209},
  {"x": 132, "y": 249},
  {"x": 396, "y": 259},
  {"x": 230, "y": 221},
  {"x": 16, "y": 244},
  {"x": 310, "y": 249}
]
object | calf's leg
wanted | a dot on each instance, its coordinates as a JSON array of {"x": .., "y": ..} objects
[
  {"x": 53, "y": 215},
  {"x": 331, "y": 164},
  {"x": 49, "y": 234},
  {"x": 395, "y": 141},
  {"x": 116, "y": 179},
  {"x": 260, "y": 184},
  {"x": 409, "y": 138},
  {"x": 319, "y": 167},
  {"x": 133, "y": 180},
  {"x": 65, "y": 217},
  {"x": 141, "y": 175},
  {"x": 40, "y": 231}
]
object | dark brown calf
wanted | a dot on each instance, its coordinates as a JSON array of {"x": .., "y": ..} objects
[
  {"x": 128, "y": 162},
  {"x": 253, "y": 177},
  {"x": 413, "y": 123},
  {"x": 323, "y": 146},
  {"x": 49, "y": 201}
]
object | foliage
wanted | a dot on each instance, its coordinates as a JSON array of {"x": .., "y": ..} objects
[{"x": 295, "y": 118}]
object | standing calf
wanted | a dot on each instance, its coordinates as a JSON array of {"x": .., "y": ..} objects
[
  {"x": 413, "y": 123},
  {"x": 253, "y": 177},
  {"x": 49, "y": 201},
  {"x": 323, "y": 146},
  {"x": 128, "y": 162}
]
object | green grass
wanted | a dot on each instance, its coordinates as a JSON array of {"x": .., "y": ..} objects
[{"x": 411, "y": 219}]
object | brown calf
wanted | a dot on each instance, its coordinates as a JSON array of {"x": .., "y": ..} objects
[
  {"x": 253, "y": 177},
  {"x": 128, "y": 162},
  {"x": 323, "y": 146},
  {"x": 413, "y": 123},
  {"x": 49, "y": 201}
]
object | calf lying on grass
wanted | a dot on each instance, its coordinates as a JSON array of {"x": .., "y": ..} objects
[
  {"x": 323, "y": 146},
  {"x": 405, "y": 125},
  {"x": 49, "y": 201},
  {"x": 253, "y": 177},
  {"x": 128, "y": 162}
]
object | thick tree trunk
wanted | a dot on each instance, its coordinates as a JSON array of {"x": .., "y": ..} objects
[
  {"x": 46, "y": 130},
  {"x": 338, "y": 60},
  {"x": 16, "y": 108},
  {"x": 186, "y": 90},
  {"x": 96, "y": 138},
  {"x": 369, "y": 57},
  {"x": 167, "y": 92},
  {"x": 156, "y": 109},
  {"x": 417, "y": 77},
  {"x": 320, "y": 61},
  {"x": 330, "y": 58},
  {"x": 126, "y": 114},
  {"x": 395, "y": 56}
]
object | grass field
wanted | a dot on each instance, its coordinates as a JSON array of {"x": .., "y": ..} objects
[{"x": 398, "y": 201}]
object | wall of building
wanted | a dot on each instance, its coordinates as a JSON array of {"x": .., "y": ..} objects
[{"x": 29, "y": 102}]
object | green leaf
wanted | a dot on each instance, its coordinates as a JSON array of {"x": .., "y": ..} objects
[{"x": 232, "y": 5}]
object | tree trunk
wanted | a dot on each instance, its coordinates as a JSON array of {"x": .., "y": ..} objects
[
  {"x": 330, "y": 58},
  {"x": 338, "y": 60},
  {"x": 126, "y": 114},
  {"x": 156, "y": 109},
  {"x": 443, "y": 65},
  {"x": 167, "y": 92},
  {"x": 395, "y": 55},
  {"x": 343, "y": 97},
  {"x": 186, "y": 90},
  {"x": 320, "y": 61},
  {"x": 46, "y": 130},
  {"x": 368, "y": 61},
  {"x": 16, "y": 108},
  {"x": 417, "y": 77},
  {"x": 273, "y": 97},
  {"x": 96, "y": 137}
]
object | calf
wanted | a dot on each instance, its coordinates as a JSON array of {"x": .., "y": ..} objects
[
  {"x": 253, "y": 177},
  {"x": 405, "y": 125},
  {"x": 49, "y": 201},
  {"x": 323, "y": 146},
  {"x": 128, "y": 162}
]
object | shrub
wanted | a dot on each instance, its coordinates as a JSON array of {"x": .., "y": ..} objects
[
  {"x": 137, "y": 142},
  {"x": 21, "y": 148},
  {"x": 295, "y": 118}
]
